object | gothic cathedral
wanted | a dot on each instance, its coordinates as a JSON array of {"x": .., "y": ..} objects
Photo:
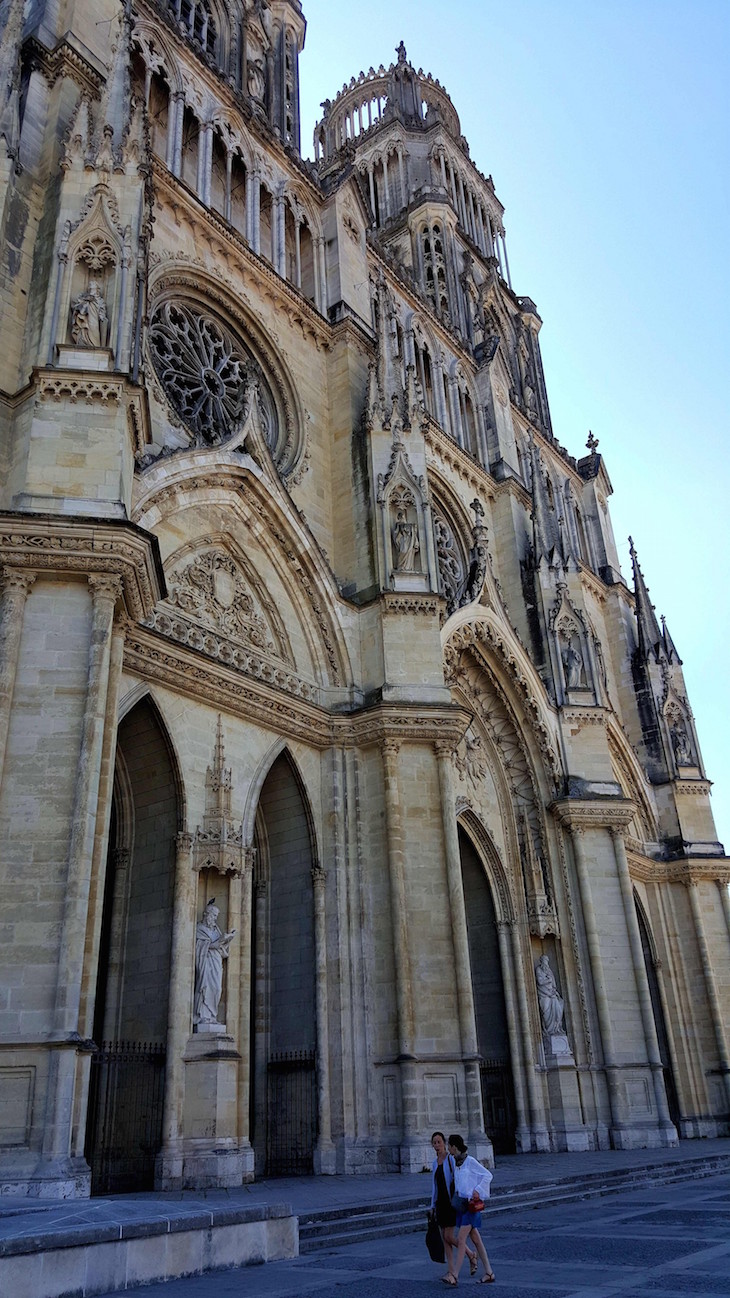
[{"x": 348, "y": 788}]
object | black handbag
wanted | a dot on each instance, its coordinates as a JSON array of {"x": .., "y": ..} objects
[{"x": 434, "y": 1242}]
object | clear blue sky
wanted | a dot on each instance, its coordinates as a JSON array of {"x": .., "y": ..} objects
[{"x": 606, "y": 127}]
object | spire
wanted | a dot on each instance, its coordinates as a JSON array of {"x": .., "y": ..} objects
[
  {"x": 10, "y": 42},
  {"x": 649, "y": 635},
  {"x": 114, "y": 109},
  {"x": 669, "y": 645},
  {"x": 545, "y": 530}
]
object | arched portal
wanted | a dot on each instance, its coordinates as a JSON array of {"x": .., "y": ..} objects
[
  {"x": 124, "y": 1127},
  {"x": 489, "y": 1002},
  {"x": 659, "y": 1019},
  {"x": 284, "y": 1092}
]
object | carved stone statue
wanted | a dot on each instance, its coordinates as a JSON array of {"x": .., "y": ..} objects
[
  {"x": 548, "y": 998},
  {"x": 681, "y": 744},
  {"x": 211, "y": 949},
  {"x": 257, "y": 80},
  {"x": 89, "y": 320},
  {"x": 573, "y": 666},
  {"x": 406, "y": 544}
]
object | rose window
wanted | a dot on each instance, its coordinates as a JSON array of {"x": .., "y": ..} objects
[{"x": 204, "y": 371}]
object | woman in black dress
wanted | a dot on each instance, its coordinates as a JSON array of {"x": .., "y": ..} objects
[{"x": 443, "y": 1175}]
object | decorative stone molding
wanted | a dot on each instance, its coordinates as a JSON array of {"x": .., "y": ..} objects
[
  {"x": 692, "y": 788},
  {"x": 426, "y": 605},
  {"x": 53, "y": 543},
  {"x": 88, "y": 388},
  {"x": 578, "y": 718},
  {"x": 16, "y": 579},
  {"x": 613, "y": 814}
]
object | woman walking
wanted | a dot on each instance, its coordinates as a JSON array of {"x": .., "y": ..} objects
[
  {"x": 471, "y": 1182},
  {"x": 444, "y": 1170}
]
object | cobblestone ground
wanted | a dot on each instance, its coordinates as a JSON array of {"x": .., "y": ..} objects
[{"x": 660, "y": 1243}]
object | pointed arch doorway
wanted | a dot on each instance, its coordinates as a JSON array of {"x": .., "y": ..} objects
[
  {"x": 660, "y": 1022},
  {"x": 284, "y": 1025},
  {"x": 127, "y": 1083},
  {"x": 489, "y": 1001}
]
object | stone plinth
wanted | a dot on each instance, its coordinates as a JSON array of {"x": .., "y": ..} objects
[
  {"x": 210, "y": 1153},
  {"x": 570, "y": 1132}
]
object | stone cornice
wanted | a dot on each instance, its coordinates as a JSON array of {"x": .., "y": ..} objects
[
  {"x": 593, "y": 813},
  {"x": 51, "y": 543},
  {"x": 177, "y": 667},
  {"x": 401, "y": 602},
  {"x": 685, "y": 870},
  {"x": 692, "y": 788}
]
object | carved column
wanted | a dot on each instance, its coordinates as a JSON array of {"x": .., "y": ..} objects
[
  {"x": 205, "y": 158},
  {"x": 298, "y": 252},
  {"x": 325, "y": 1149},
  {"x": 462, "y": 964},
  {"x": 710, "y": 985},
  {"x": 15, "y": 584},
  {"x": 324, "y": 304},
  {"x": 180, "y": 1000},
  {"x": 642, "y": 982},
  {"x": 386, "y": 186},
  {"x": 599, "y": 985},
  {"x": 399, "y": 923},
  {"x": 105, "y": 591},
  {"x": 229, "y": 171},
  {"x": 725, "y": 899},
  {"x": 175, "y": 129},
  {"x": 371, "y": 182},
  {"x": 504, "y": 937},
  {"x": 244, "y": 1020},
  {"x": 402, "y": 174}
]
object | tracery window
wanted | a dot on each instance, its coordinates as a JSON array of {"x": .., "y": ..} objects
[
  {"x": 203, "y": 370},
  {"x": 434, "y": 267}
]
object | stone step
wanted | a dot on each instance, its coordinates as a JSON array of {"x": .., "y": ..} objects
[{"x": 329, "y": 1228}]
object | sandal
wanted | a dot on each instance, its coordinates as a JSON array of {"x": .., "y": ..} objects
[
  {"x": 489, "y": 1278},
  {"x": 449, "y": 1279},
  {"x": 473, "y": 1264}
]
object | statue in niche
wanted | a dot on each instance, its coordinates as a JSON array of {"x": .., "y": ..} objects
[
  {"x": 89, "y": 320},
  {"x": 212, "y": 947},
  {"x": 575, "y": 677},
  {"x": 549, "y": 999},
  {"x": 683, "y": 754},
  {"x": 406, "y": 544},
  {"x": 257, "y": 80}
]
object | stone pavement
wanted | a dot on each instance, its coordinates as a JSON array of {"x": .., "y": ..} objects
[{"x": 664, "y": 1242}]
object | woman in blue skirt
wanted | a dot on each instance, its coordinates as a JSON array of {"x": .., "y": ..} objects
[{"x": 472, "y": 1182}]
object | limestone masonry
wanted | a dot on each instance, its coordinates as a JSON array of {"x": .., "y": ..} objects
[{"x": 347, "y": 789}]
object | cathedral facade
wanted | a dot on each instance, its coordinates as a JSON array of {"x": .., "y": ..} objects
[{"x": 348, "y": 789}]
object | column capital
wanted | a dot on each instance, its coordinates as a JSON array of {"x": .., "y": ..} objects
[
  {"x": 444, "y": 748},
  {"x": 16, "y": 579},
  {"x": 184, "y": 841},
  {"x": 390, "y": 747},
  {"x": 107, "y": 585},
  {"x": 319, "y": 876}
]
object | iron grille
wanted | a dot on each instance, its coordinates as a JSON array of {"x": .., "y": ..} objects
[
  {"x": 291, "y": 1113},
  {"x": 498, "y": 1104},
  {"x": 126, "y": 1095}
]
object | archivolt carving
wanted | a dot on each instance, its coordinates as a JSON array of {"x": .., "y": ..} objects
[
  {"x": 476, "y": 635},
  {"x": 212, "y": 589}
]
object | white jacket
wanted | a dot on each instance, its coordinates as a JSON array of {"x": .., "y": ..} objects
[{"x": 472, "y": 1176}]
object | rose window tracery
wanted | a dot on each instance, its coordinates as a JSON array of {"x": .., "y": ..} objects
[{"x": 204, "y": 371}]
